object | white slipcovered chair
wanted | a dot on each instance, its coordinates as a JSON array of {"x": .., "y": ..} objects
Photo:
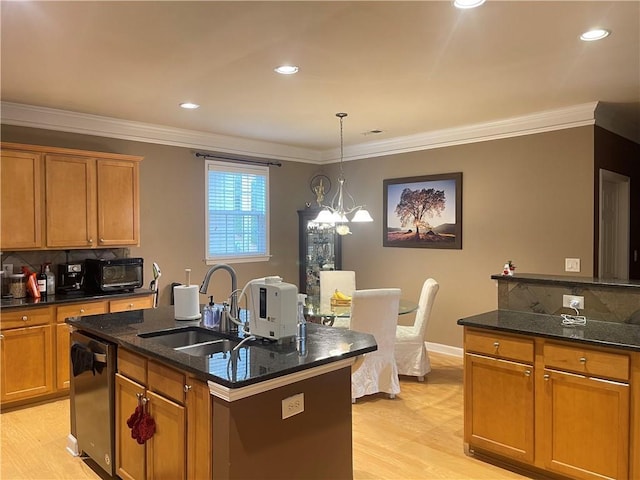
[
  {"x": 375, "y": 311},
  {"x": 411, "y": 353},
  {"x": 330, "y": 280}
]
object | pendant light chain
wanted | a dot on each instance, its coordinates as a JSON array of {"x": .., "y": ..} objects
[
  {"x": 341, "y": 117},
  {"x": 336, "y": 213}
]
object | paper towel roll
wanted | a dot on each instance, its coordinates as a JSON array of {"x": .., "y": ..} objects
[{"x": 185, "y": 299}]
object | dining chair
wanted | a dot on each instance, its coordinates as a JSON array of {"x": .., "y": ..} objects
[
  {"x": 375, "y": 311},
  {"x": 330, "y": 280},
  {"x": 412, "y": 357}
]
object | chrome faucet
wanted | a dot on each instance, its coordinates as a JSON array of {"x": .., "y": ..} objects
[{"x": 234, "y": 286}]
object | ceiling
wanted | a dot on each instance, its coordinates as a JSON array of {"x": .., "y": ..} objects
[{"x": 404, "y": 68}]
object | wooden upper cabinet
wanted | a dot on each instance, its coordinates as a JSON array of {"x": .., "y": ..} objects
[
  {"x": 70, "y": 201},
  {"x": 79, "y": 199},
  {"x": 22, "y": 196},
  {"x": 118, "y": 203}
]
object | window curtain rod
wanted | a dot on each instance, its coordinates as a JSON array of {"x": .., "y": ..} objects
[{"x": 268, "y": 163}]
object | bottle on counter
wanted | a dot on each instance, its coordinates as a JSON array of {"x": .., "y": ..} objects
[
  {"x": 302, "y": 322},
  {"x": 301, "y": 333},
  {"x": 207, "y": 313},
  {"x": 224, "y": 318},
  {"x": 41, "y": 279},
  {"x": 51, "y": 279}
]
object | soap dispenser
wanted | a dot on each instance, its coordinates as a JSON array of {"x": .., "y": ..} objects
[{"x": 207, "y": 313}]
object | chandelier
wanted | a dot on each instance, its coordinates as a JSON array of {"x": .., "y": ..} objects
[{"x": 336, "y": 213}]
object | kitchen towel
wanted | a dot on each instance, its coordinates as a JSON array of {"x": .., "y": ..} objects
[{"x": 186, "y": 305}]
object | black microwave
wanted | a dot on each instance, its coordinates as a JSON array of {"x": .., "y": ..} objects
[{"x": 115, "y": 275}]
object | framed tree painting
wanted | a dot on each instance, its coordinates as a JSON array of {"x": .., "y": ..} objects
[{"x": 423, "y": 212}]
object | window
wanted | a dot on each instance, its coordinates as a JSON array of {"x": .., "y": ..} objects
[{"x": 237, "y": 212}]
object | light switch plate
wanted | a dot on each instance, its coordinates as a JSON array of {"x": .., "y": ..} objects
[
  {"x": 572, "y": 265},
  {"x": 8, "y": 268}
]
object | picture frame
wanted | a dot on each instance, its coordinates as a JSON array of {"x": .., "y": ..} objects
[{"x": 423, "y": 211}]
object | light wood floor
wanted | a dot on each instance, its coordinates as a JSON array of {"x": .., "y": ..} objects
[{"x": 418, "y": 435}]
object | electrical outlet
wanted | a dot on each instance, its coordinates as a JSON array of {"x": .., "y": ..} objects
[
  {"x": 8, "y": 268},
  {"x": 292, "y": 405},
  {"x": 572, "y": 265},
  {"x": 573, "y": 301}
]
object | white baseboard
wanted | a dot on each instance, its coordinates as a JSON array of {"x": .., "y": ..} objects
[
  {"x": 72, "y": 445},
  {"x": 445, "y": 349}
]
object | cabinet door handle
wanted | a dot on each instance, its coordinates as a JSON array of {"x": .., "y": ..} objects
[
  {"x": 496, "y": 344},
  {"x": 527, "y": 373},
  {"x": 546, "y": 377},
  {"x": 187, "y": 388},
  {"x": 102, "y": 240},
  {"x": 82, "y": 310},
  {"x": 583, "y": 360},
  {"x": 90, "y": 240},
  {"x": 131, "y": 305},
  {"x": 1, "y": 336},
  {"x": 25, "y": 318}
]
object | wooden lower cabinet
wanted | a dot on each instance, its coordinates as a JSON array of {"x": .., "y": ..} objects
[
  {"x": 35, "y": 347},
  {"x": 130, "y": 455},
  {"x": 199, "y": 439},
  {"x": 27, "y": 363},
  {"x": 181, "y": 445},
  {"x": 499, "y": 412},
  {"x": 573, "y": 412},
  {"x": 63, "y": 347},
  {"x": 586, "y": 426},
  {"x": 166, "y": 450}
]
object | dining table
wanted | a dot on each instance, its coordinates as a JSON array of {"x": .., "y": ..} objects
[{"x": 313, "y": 314}]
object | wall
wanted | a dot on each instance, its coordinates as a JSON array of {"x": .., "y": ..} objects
[{"x": 528, "y": 199}]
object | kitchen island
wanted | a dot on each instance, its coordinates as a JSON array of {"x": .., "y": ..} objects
[
  {"x": 269, "y": 410},
  {"x": 563, "y": 399}
]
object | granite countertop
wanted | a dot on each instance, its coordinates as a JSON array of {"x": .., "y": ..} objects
[
  {"x": 568, "y": 280},
  {"x": 258, "y": 360},
  {"x": 29, "y": 302},
  {"x": 603, "y": 334}
]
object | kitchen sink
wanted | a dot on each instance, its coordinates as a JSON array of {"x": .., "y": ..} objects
[
  {"x": 208, "y": 348},
  {"x": 195, "y": 341}
]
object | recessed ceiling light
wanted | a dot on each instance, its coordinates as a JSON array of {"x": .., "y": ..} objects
[
  {"x": 464, "y": 4},
  {"x": 189, "y": 105},
  {"x": 286, "y": 69},
  {"x": 594, "y": 34}
]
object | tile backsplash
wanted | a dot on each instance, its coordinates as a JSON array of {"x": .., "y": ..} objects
[
  {"x": 34, "y": 259},
  {"x": 606, "y": 303}
]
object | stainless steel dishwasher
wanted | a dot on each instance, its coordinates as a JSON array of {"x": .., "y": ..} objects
[{"x": 92, "y": 398}]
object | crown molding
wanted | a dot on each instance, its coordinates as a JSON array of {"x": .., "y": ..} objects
[
  {"x": 73, "y": 122},
  {"x": 546, "y": 121}
]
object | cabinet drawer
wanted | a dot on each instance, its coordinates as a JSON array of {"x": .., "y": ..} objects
[
  {"x": 587, "y": 361},
  {"x": 81, "y": 309},
  {"x": 25, "y": 317},
  {"x": 166, "y": 381},
  {"x": 132, "y": 366},
  {"x": 133, "y": 303},
  {"x": 499, "y": 345}
]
